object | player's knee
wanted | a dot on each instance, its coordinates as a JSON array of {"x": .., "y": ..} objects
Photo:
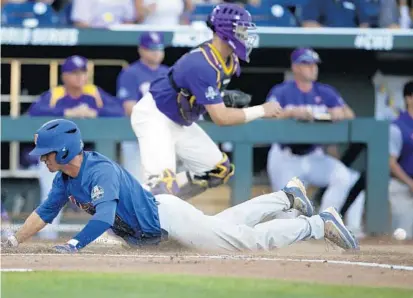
[{"x": 221, "y": 173}]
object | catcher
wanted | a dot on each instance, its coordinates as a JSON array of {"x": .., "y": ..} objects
[{"x": 164, "y": 118}]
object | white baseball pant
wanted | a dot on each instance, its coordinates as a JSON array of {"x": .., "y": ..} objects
[
  {"x": 321, "y": 170},
  {"x": 245, "y": 227},
  {"x": 401, "y": 202},
  {"x": 131, "y": 159},
  {"x": 161, "y": 141}
]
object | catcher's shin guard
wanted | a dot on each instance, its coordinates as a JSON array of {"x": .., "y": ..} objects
[
  {"x": 196, "y": 184},
  {"x": 186, "y": 185},
  {"x": 164, "y": 184}
]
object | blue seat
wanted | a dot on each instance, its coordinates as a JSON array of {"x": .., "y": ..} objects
[
  {"x": 270, "y": 13},
  {"x": 201, "y": 12},
  {"x": 29, "y": 14}
]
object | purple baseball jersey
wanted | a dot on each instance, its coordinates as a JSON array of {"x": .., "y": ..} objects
[
  {"x": 194, "y": 81},
  {"x": 55, "y": 101},
  {"x": 321, "y": 98},
  {"x": 405, "y": 158},
  {"x": 134, "y": 81}
]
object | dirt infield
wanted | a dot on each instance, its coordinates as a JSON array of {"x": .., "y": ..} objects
[{"x": 309, "y": 261}]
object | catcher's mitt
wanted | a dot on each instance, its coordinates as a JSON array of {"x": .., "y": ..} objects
[{"x": 236, "y": 98}]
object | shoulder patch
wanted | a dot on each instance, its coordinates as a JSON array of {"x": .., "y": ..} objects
[{"x": 97, "y": 193}]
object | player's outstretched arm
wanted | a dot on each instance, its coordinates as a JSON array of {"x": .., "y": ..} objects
[
  {"x": 101, "y": 221},
  {"x": 31, "y": 226},
  {"x": 222, "y": 115}
]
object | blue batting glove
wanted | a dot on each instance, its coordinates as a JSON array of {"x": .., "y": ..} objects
[{"x": 65, "y": 248}]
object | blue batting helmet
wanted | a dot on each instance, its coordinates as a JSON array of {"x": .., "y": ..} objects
[{"x": 60, "y": 136}]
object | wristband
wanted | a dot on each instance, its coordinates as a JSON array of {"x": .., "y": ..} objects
[{"x": 253, "y": 113}]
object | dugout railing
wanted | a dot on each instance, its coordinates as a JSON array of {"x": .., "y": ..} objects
[
  {"x": 373, "y": 134},
  {"x": 15, "y": 96}
]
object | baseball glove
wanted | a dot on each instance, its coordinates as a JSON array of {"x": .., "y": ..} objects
[{"x": 236, "y": 98}]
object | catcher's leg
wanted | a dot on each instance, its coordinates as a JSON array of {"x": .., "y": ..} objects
[
  {"x": 207, "y": 166},
  {"x": 156, "y": 141}
]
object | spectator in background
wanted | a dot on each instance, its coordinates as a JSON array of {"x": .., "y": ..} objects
[
  {"x": 75, "y": 99},
  {"x": 401, "y": 166},
  {"x": 406, "y": 13},
  {"x": 133, "y": 82},
  {"x": 306, "y": 99},
  {"x": 102, "y": 13},
  {"x": 163, "y": 12},
  {"x": 334, "y": 13},
  {"x": 28, "y": 13},
  {"x": 389, "y": 14}
]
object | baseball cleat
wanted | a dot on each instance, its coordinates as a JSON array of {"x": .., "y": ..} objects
[
  {"x": 336, "y": 232},
  {"x": 300, "y": 201}
]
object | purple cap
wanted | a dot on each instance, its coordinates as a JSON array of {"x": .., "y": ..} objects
[
  {"x": 305, "y": 55},
  {"x": 151, "y": 41},
  {"x": 74, "y": 63}
]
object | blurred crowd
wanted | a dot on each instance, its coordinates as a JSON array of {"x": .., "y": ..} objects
[{"x": 282, "y": 13}]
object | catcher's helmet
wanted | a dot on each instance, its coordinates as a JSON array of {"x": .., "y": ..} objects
[
  {"x": 231, "y": 23},
  {"x": 60, "y": 136}
]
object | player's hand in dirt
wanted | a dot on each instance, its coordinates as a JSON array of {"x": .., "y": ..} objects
[
  {"x": 272, "y": 109},
  {"x": 10, "y": 242},
  {"x": 65, "y": 248}
]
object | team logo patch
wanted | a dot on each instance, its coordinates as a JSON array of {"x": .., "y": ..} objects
[
  {"x": 97, "y": 193},
  {"x": 211, "y": 93},
  {"x": 144, "y": 87},
  {"x": 78, "y": 61},
  {"x": 122, "y": 93},
  {"x": 155, "y": 37}
]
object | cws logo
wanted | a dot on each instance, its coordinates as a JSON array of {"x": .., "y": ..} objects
[{"x": 374, "y": 41}]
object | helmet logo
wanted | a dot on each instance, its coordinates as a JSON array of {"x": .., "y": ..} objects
[{"x": 35, "y": 138}]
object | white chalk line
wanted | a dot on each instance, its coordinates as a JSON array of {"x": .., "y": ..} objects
[
  {"x": 15, "y": 270},
  {"x": 227, "y": 257}
]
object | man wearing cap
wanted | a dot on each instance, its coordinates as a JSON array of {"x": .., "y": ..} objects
[
  {"x": 133, "y": 82},
  {"x": 74, "y": 99},
  {"x": 305, "y": 99},
  {"x": 401, "y": 165}
]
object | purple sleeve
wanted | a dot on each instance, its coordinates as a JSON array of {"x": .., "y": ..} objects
[
  {"x": 111, "y": 106},
  {"x": 126, "y": 87},
  {"x": 41, "y": 107},
  {"x": 203, "y": 85},
  {"x": 333, "y": 99},
  {"x": 275, "y": 94}
]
